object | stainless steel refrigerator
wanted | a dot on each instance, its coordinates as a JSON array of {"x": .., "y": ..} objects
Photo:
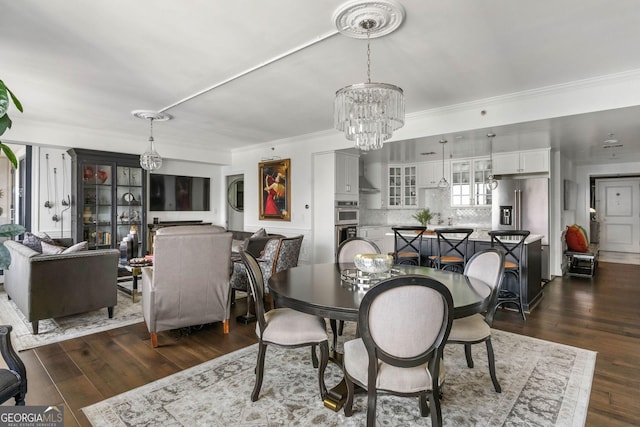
[{"x": 523, "y": 204}]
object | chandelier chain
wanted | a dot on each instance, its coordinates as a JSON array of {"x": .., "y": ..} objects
[{"x": 368, "y": 57}]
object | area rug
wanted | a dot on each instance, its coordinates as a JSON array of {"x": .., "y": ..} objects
[
  {"x": 50, "y": 331},
  {"x": 543, "y": 384}
]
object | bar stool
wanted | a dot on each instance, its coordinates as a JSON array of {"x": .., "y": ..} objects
[
  {"x": 408, "y": 244},
  {"x": 451, "y": 251},
  {"x": 511, "y": 242}
]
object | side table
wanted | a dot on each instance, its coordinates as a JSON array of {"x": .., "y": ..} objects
[{"x": 136, "y": 271}]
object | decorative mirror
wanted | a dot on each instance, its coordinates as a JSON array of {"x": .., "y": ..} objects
[{"x": 235, "y": 194}]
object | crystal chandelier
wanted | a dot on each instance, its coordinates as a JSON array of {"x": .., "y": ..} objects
[
  {"x": 150, "y": 160},
  {"x": 492, "y": 183},
  {"x": 368, "y": 113},
  {"x": 443, "y": 183}
]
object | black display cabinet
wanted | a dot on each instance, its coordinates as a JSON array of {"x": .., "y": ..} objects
[{"x": 109, "y": 198}]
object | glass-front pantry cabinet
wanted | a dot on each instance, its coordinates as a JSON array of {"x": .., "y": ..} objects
[{"x": 108, "y": 198}]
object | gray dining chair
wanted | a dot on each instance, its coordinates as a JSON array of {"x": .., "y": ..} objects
[
  {"x": 408, "y": 363},
  {"x": 284, "y": 327},
  {"x": 488, "y": 266}
]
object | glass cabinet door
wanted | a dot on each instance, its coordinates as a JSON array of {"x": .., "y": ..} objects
[
  {"x": 410, "y": 189},
  {"x": 395, "y": 186},
  {"x": 97, "y": 184},
  {"x": 460, "y": 182},
  {"x": 129, "y": 202},
  {"x": 481, "y": 172}
]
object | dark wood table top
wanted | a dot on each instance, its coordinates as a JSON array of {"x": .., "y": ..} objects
[{"x": 318, "y": 289}]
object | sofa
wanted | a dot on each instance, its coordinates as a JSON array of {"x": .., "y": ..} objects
[{"x": 50, "y": 286}]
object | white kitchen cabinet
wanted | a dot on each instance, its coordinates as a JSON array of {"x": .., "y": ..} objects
[
  {"x": 521, "y": 162},
  {"x": 468, "y": 179},
  {"x": 402, "y": 185},
  {"x": 346, "y": 177},
  {"x": 430, "y": 173}
]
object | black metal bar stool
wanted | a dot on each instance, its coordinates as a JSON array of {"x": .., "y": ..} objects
[
  {"x": 511, "y": 242},
  {"x": 408, "y": 244},
  {"x": 451, "y": 251}
]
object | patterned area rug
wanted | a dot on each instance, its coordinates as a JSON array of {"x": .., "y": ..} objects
[
  {"x": 126, "y": 312},
  {"x": 543, "y": 383}
]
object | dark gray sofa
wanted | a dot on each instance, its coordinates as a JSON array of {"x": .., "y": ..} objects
[{"x": 50, "y": 286}]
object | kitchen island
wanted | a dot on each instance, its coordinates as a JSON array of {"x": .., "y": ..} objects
[{"x": 480, "y": 240}]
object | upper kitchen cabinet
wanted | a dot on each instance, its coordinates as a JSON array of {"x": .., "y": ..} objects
[
  {"x": 468, "y": 182},
  {"x": 402, "y": 186},
  {"x": 347, "y": 177},
  {"x": 430, "y": 173},
  {"x": 521, "y": 162}
]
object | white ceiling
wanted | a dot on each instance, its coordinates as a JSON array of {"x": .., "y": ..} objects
[{"x": 80, "y": 67}]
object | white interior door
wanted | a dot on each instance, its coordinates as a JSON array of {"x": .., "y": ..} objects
[{"x": 618, "y": 210}]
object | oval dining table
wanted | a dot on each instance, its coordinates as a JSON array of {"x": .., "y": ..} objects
[{"x": 320, "y": 289}]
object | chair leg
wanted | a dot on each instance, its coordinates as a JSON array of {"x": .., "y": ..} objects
[
  {"x": 314, "y": 356},
  {"x": 324, "y": 359},
  {"x": 262, "y": 350},
  {"x": 372, "y": 396},
  {"x": 34, "y": 325},
  {"x": 334, "y": 330},
  {"x": 225, "y": 326},
  {"x": 110, "y": 312},
  {"x": 20, "y": 399},
  {"x": 467, "y": 353},
  {"x": 492, "y": 366},
  {"x": 341, "y": 327},
  {"x": 154, "y": 339},
  {"x": 436, "y": 413},
  {"x": 348, "y": 404},
  {"x": 424, "y": 408}
]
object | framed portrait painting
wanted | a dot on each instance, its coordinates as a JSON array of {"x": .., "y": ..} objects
[{"x": 274, "y": 189}]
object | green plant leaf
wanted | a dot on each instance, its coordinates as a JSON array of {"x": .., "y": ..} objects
[
  {"x": 5, "y": 258},
  {"x": 4, "y": 99},
  {"x": 11, "y": 230},
  {"x": 10, "y": 155},
  {"x": 15, "y": 100},
  {"x": 5, "y": 123}
]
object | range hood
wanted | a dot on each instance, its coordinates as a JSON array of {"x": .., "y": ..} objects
[{"x": 365, "y": 186}]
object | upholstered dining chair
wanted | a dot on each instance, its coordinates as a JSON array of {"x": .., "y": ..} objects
[
  {"x": 13, "y": 381},
  {"x": 407, "y": 363},
  {"x": 451, "y": 249},
  {"x": 488, "y": 266},
  {"x": 284, "y": 327},
  {"x": 407, "y": 246},
  {"x": 511, "y": 242},
  {"x": 188, "y": 284},
  {"x": 344, "y": 255}
]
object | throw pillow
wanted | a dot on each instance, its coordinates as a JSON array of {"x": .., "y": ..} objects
[
  {"x": 35, "y": 242},
  {"x": 78, "y": 247},
  {"x": 260, "y": 233},
  {"x": 49, "y": 249},
  {"x": 576, "y": 239}
]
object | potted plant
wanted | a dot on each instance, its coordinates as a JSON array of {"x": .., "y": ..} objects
[
  {"x": 423, "y": 216},
  {"x": 7, "y": 230}
]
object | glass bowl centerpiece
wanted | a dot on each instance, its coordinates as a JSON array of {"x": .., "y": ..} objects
[{"x": 373, "y": 263}]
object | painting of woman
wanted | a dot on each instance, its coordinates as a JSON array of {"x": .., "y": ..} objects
[{"x": 274, "y": 200}]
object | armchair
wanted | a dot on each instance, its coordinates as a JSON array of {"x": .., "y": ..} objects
[
  {"x": 189, "y": 281},
  {"x": 13, "y": 381}
]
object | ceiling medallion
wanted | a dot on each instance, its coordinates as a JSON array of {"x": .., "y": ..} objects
[{"x": 386, "y": 14}]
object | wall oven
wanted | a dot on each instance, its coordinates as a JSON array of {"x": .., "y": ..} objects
[
  {"x": 346, "y": 220},
  {"x": 345, "y": 232},
  {"x": 346, "y": 212}
]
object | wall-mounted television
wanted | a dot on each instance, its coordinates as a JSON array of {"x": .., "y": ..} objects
[{"x": 178, "y": 193}]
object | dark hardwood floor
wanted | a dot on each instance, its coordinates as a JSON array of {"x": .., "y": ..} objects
[{"x": 602, "y": 315}]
